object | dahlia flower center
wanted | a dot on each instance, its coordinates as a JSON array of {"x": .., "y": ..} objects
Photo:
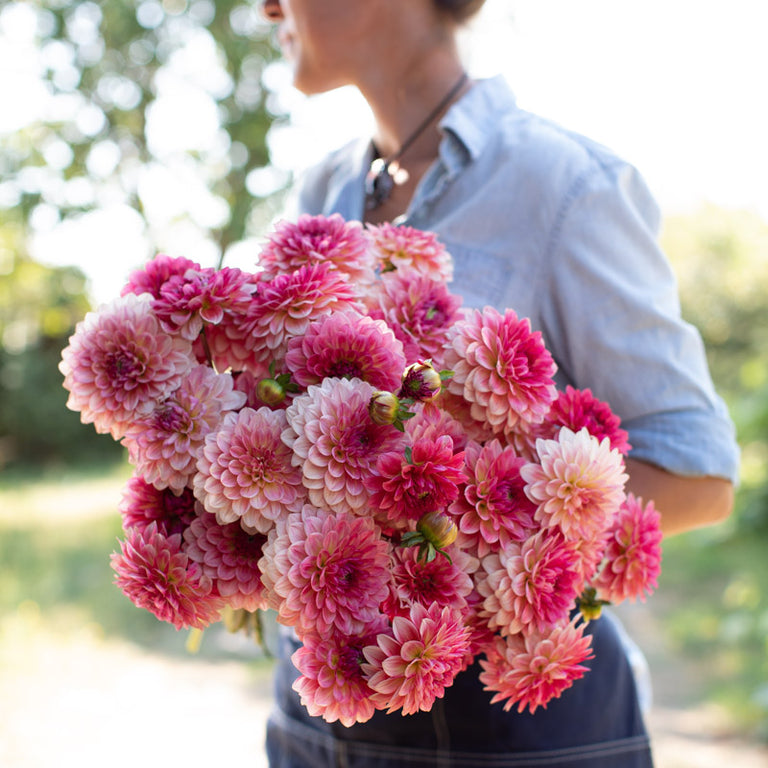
[
  {"x": 123, "y": 365},
  {"x": 345, "y": 369},
  {"x": 172, "y": 418}
]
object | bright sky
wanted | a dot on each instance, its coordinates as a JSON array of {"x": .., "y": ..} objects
[{"x": 678, "y": 87}]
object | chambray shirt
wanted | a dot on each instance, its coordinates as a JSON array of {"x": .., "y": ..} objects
[{"x": 556, "y": 227}]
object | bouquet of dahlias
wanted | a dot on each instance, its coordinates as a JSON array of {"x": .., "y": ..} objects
[{"x": 334, "y": 438}]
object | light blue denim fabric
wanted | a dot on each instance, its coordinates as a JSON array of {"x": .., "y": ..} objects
[{"x": 557, "y": 228}]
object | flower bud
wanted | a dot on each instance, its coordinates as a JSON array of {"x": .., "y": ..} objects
[
  {"x": 438, "y": 529},
  {"x": 270, "y": 392},
  {"x": 421, "y": 381},
  {"x": 383, "y": 407}
]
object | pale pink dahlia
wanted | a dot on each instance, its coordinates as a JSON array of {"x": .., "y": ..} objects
[
  {"x": 413, "y": 666},
  {"x": 494, "y": 510},
  {"x": 245, "y": 472},
  {"x": 285, "y": 306},
  {"x": 424, "y": 479},
  {"x": 326, "y": 570},
  {"x": 120, "y": 362},
  {"x": 501, "y": 368},
  {"x": 229, "y": 556},
  {"x": 404, "y": 248},
  {"x": 577, "y": 408},
  {"x": 633, "y": 554},
  {"x": 346, "y": 344},
  {"x": 419, "y": 310},
  {"x": 155, "y": 273},
  {"x": 332, "y": 684},
  {"x": 336, "y": 444},
  {"x": 312, "y": 240},
  {"x": 531, "y": 671},
  {"x": 164, "y": 445},
  {"x": 202, "y": 296},
  {"x": 156, "y": 574},
  {"x": 530, "y": 586},
  {"x": 440, "y": 581},
  {"x": 142, "y": 503},
  {"x": 578, "y": 484}
]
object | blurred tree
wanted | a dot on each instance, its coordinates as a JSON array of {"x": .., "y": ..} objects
[
  {"x": 147, "y": 101},
  {"x": 721, "y": 258}
]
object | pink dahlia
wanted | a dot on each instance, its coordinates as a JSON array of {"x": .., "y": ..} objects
[
  {"x": 440, "y": 581},
  {"x": 530, "y": 586},
  {"x": 419, "y": 310},
  {"x": 501, "y": 368},
  {"x": 405, "y": 248},
  {"x": 120, "y": 362},
  {"x": 577, "y": 408},
  {"x": 332, "y": 684},
  {"x": 336, "y": 444},
  {"x": 430, "y": 422},
  {"x": 494, "y": 509},
  {"x": 229, "y": 556},
  {"x": 245, "y": 472},
  {"x": 155, "y": 273},
  {"x": 142, "y": 503},
  {"x": 423, "y": 479},
  {"x": 164, "y": 445},
  {"x": 531, "y": 671},
  {"x": 312, "y": 240},
  {"x": 325, "y": 571},
  {"x": 346, "y": 344},
  {"x": 202, "y": 296},
  {"x": 156, "y": 574},
  {"x": 578, "y": 484},
  {"x": 285, "y": 306},
  {"x": 633, "y": 554},
  {"x": 413, "y": 666}
]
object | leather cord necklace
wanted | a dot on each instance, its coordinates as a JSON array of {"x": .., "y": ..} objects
[{"x": 380, "y": 179}]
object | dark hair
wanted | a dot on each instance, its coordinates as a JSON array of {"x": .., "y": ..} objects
[{"x": 460, "y": 10}]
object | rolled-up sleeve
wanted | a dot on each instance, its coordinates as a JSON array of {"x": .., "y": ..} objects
[{"x": 612, "y": 320}]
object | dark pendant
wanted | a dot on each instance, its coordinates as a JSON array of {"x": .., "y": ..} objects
[{"x": 378, "y": 184}]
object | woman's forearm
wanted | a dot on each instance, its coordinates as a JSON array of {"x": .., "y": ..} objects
[{"x": 685, "y": 503}]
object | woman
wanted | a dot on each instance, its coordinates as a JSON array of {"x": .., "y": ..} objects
[{"x": 557, "y": 228}]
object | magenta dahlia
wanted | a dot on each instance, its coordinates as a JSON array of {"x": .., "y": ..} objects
[
  {"x": 423, "y": 479},
  {"x": 430, "y": 422},
  {"x": 312, "y": 240},
  {"x": 531, "y": 671},
  {"x": 578, "y": 483},
  {"x": 285, "y": 306},
  {"x": 164, "y": 445},
  {"x": 336, "y": 443},
  {"x": 156, "y": 574},
  {"x": 633, "y": 554},
  {"x": 405, "y": 248},
  {"x": 142, "y": 503},
  {"x": 494, "y": 510},
  {"x": 155, "y": 273},
  {"x": 326, "y": 570},
  {"x": 346, "y": 344},
  {"x": 411, "y": 667},
  {"x": 229, "y": 556},
  {"x": 531, "y": 585},
  {"x": 419, "y": 310},
  {"x": 501, "y": 368},
  {"x": 245, "y": 472},
  {"x": 120, "y": 362}
]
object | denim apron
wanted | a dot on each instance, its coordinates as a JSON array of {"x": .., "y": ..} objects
[{"x": 596, "y": 723}]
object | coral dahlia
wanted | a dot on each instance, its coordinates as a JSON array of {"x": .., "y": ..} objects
[
  {"x": 245, "y": 472},
  {"x": 405, "y": 248}
]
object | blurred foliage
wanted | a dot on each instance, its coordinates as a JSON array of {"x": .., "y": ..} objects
[
  {"x": 721, "y": 259},
  {"x": 109, "y": 67}
]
